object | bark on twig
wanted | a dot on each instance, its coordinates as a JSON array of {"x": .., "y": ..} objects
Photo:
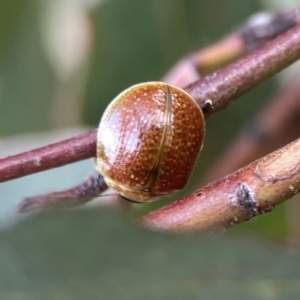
[
  {"x": 48, "y": 157},
  {"x": 76, "y": 196},
  {"x": 215, "y": 92}
]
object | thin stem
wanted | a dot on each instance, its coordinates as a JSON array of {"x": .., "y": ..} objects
[
  {"x": 76, "y": 196},
  {"x": 51, "y": 156}
]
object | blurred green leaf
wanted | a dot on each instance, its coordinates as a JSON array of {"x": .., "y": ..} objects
[
  {"x": 26, "y": 79},
  {"x": 10, "y": 20},
  {"x": 98, "y": 255}
]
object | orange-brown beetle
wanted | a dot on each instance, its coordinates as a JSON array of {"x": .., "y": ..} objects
[
  {"x": 148, "y": 141},
  {"x": 147, "y": 145}
]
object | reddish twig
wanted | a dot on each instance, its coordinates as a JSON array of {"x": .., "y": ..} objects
[
  {"x": 253, "y": 190},
  {"x": 51, "y": 156},
  {"x": 215, "y": 92},
  {"x": 263, "y": 27}
]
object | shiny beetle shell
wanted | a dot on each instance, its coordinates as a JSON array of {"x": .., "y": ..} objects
[{"x": 148, "y": 141}]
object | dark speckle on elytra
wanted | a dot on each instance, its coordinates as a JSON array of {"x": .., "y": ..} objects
[{"x": 199, "y": 194}]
